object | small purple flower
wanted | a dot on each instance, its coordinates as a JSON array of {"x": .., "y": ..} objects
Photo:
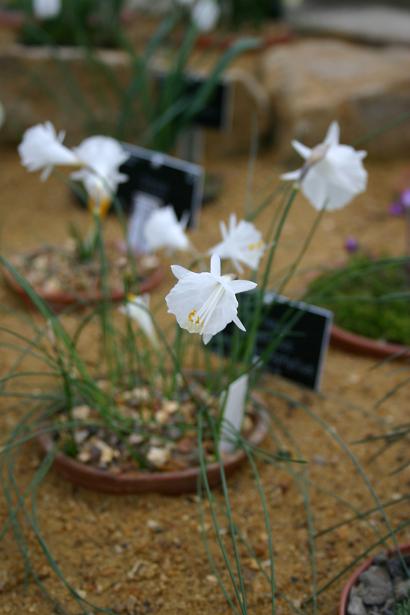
[
  {"x": 351, "y": 245},
  {"x": 396, "y": 208},
  {"x": 405, "y": 198},
  {"x": 399, "y": 207}
]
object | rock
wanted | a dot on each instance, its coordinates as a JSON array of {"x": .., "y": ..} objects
[
  {"x": 81, "y": 413},
  {"x": 158, "y": 456},
  {"x": 373, "y": 24},
  {"x": 154, "y": 526},
  {"x": 395, "y": 567},
  {"x": 381, "y": 559},
  {"x": 313, "y": 82},
  {"x": 375, "y": 586},
  {"x": 402, "y": 589},
  {"x": 28, "y": 101},
  {"x": 356, "y": 606}
]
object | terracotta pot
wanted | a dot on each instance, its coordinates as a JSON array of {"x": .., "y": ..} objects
[
  {"x": 11, "y": 20},
  {"x": 168, "y": 483},
  {"x": 59, "y": 301},
  {"x": 224, "y": 40},
  {"x": 358, "y": 344},
  {"x": 344, "y": 600}
]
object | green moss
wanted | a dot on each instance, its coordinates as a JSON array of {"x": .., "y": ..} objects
[{"x": 368, "y": 297}]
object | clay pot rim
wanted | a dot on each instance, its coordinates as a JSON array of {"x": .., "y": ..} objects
[
  {"x": 153, "y": 482},
  {"x": 11, "y": 19},
  {"x": 404, "y": 548},
  {"x": 367, "y": 346},
  {"x": 64, "y": 299},
  {"x": 224, "y": 40}
]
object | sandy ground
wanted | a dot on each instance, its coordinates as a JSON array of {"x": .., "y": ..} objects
[{"x": 104, "y": 544}]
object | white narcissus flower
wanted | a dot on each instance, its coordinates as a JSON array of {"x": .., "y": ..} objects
[
  {"x": 137, "y": 308},
  {"x": 42, "y": 148},
  {"x": 163, "y": 230},
  {"x": 46, "y": 9},
  {"x": 101, "y": 158},
  {"x": 205, "y": 303},
  {"x": 242, "y": 243},
  {"x": 332, "y": 175},
  {"x": 205, "y": 14}
]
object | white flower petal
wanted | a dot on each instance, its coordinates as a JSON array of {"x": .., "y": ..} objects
[
  {"x": 163, "y": 231},
  {"x": 41, "y": 149},
  {"x": 101, "y": 158},
  {"x": 137, "y": 308},
  {"x": 333, "y": 134},
  {"x": 242, "y": 244},
  {"x": 301, "y": 149},
  {"x": 215, "y": 265},
  {"x": 179, "y": 272},
  {"x": 292, "y": 175},
  {"x": 242, "y": 286},
  {"x": 239, "y": 323}
]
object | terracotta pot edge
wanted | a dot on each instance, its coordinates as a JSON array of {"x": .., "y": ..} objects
[
  {"x": 145, "y": 482},
  {"x": 404, "y": 548}
]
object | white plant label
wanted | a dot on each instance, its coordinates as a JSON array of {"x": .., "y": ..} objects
[{"x": 233, "y": 413}]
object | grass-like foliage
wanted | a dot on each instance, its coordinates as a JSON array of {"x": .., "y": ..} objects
[
  {"x": 83, "y": 22},
  {"x": 243, "y": 13},
  {"x": 403, "y": 608},
  {"x": 368, "y": 296}
]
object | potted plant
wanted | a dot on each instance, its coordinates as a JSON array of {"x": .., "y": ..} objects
[
  {"x": 141, "y": 396},
  {"x": 380, "y": 585},
  {"x": 61, "y": 22},
  {"x": 369, "y": 295},
  {"x": 86, "y": 269}
]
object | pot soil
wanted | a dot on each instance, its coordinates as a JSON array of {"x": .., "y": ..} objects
[
  {"x": 159, "y": 453},
  {"x": 62, "y": 281},
  {"x": 379, "y": 586},
  {"x": 367, "y": 321}
]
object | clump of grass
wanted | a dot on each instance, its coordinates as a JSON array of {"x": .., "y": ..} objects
[{"x": 369, "y": 297}]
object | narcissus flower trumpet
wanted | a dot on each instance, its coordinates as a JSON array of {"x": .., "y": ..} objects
[
  {"x": 242, "y": 244},
  {"x": 101, "y": 158},
  {"x": 205, "y": 303},
  {"x": 332, "y": 175},
  {"x": 163, "y": 230},
  {"x": 137, "y": 308},
  {"x": 42, "y": 149}
]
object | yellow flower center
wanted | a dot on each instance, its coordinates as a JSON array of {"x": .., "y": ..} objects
[
  {"x": 194, "y": 318},
  {"x": 257, "y": 245},
  {"x": 100, "y": 208}
]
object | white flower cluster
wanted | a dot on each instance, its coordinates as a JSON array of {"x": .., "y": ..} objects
[
  {"x": 203, "y": 303},
  {"x": 97, "y": 160}
]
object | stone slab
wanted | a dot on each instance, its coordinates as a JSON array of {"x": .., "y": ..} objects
[
  {"x": 315, "y": 81},
  {"x": 371, "y": 24}
]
